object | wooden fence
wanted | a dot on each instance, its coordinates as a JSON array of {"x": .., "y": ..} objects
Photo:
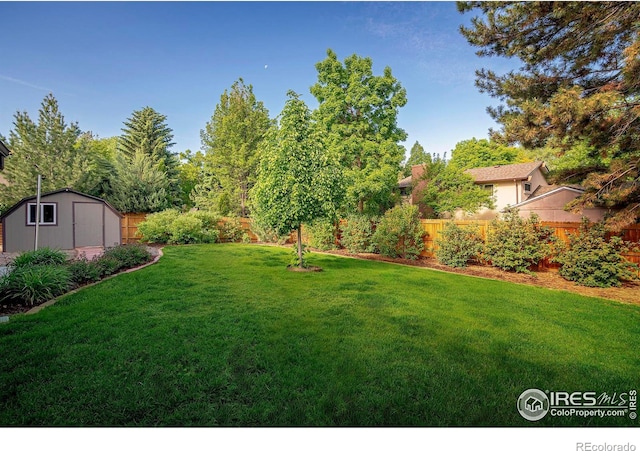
[{"x": 433, "y": 227}]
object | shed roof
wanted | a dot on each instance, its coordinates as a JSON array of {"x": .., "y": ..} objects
[
  {"x": 50, "y": 193},
  {"x": 519, "y": 171},
  {"x": 550, "y": 190},
  {"x": 3, "y": 150}
]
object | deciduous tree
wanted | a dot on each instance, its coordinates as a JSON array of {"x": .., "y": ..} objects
[
  {"x": 230, "y": 141},
  {"x": 358, "y": 112},
  {"x": 298, "y": 180},
  {"x": 479, "y": 153}
]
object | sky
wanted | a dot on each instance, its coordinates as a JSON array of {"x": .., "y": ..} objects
[{"x": 104, "y": 60}]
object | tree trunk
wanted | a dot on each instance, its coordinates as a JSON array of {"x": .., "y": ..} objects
[{"x": 300, "y": 245}]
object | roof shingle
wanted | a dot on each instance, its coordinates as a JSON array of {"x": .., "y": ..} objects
[{"x": 519, "y": 171}]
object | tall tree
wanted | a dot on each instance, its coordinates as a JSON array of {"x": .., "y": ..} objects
[
  {"x": 479, "y": 153},
  {"x": 298, "y": 179},
  {"x": 147, "y": 132},
  {"x": 416, "y": 156},
  {"x": 191, "y": 172},
  {"x": 579, "y": 83},
  {"x": 230, "y": 140},
  {"x": 47, "y": 147},
  {"x": 358, "y": 111},
  {"x": 138, "y": 185}
]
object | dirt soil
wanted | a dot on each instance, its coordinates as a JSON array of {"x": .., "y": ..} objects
[{"x": 628, "y": 293}]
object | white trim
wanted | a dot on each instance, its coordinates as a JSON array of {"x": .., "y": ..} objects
[
  {"x": 42, "y": 205},
  {"x": 533, "y": 199}
]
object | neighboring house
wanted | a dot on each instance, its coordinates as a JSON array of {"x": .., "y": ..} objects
[
  {"x": 509, "y": 184},
  {"x": 68, "y": 220},
  {"x": 4, "y": 153},
  {"x": 521, "y": 185}
]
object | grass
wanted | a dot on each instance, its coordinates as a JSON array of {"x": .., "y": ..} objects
[{"x": 224, "y": 335}]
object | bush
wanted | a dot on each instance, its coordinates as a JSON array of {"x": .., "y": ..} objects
[
  {"x": 31, "y": 285},
  {"x": 322, "y": 234},
  {"x": 590, "y": 260},
  {"x": 231, "y": 230},
  {"x": 156, "y": 228},
  {"x": 267, "y": 234},
  {"x": 459, "y": 245},
  {"x": 516, "y": 244},
  {"x": 108, "y": 265},
  {"x": 83, "y": 271},
  {"x": 356, "y": 234},
  {"x": 399, "y": 233},
  {"x": 210, "y": 232},
  {"x": 185, "y": 229},
  {"x": 44, "y": 256},
  {"x": 127, "y": 255}
]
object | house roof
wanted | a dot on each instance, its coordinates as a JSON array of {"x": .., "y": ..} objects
[
  {"x": 50, "y": 193},
  {"x": 550, "y": 190},
  {"x": 3, "y": 150},
  {"x": 519, "y": 171},
  {"x": 405, "y": 182}
]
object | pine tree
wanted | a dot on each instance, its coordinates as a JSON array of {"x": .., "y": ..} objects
[
  {"x": 579, "y": 85},
  {"x": 48, "y": 148},
  {"x": 146, "y": 132}
]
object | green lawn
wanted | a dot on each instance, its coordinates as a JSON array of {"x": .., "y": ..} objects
[{"x": 224, "y": 335}]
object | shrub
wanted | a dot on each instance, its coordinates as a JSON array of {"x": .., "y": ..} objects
[
  {"x": 44, "y": 256},
  {"x": 516, "y": 244},
  {"x": 399, "y": 233},
  {"x": 83, "y": 271},
  {"x": 459, "y": 245},
  {"x": 356, "y": 234},
  {"x": 322, "y": 234},
  {"x": 266, "y": 234},
  {"x": 185, "y": 229},
  {"x": 590, "y": 260},
  {"x": 231, "y": 230},
  {"x": 31, "y": 285},
  {"x": 127, "y": 255},
  {"x": 156, "y": 228},
  {"x": 210, "y": 232},
  {"x": 108, "y": 265}
]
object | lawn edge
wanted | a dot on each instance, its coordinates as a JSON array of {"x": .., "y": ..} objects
[{"x": 37, "y": 308}]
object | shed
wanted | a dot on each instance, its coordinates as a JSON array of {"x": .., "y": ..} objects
[{"x": 68, "y": 220}]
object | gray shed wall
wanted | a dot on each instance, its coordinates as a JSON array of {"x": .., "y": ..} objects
[{"x": 98, "y": 224}]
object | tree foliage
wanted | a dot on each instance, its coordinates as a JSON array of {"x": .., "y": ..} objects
[
  {"x": 48, "y": 147},
  {"x": 230, "y": 141},
  {"x": 190, "y": 174},
  {"x": 138, "y": 185},
  {"x": 146, "y": 133},
  {"x": 480, "y": 153},
  {"x": 579, "y": 83},
  {"x": 358, "y": 112},
  {"x": 298, "y": 180},
  {"x": 417, "y": 156}
]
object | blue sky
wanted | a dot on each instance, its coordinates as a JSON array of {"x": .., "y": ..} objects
[{"x": 102, "y": 61}]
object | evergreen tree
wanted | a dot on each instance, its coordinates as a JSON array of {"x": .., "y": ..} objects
[
  {"x": 230, "y": 140},
  {"x": 48, "y": 147},
  {"x": 579, "y": 84},
  {"x": 417, "y": 156},
  {"x": 138, "y": 185},
  {"x": 146, "y": 132},
  {"x": 358, "y": 111}
]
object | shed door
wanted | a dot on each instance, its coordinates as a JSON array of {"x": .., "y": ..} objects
[{"x": 88, "y": 224}]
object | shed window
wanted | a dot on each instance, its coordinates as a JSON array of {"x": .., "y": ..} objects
[{"x": 48, "y": 214}]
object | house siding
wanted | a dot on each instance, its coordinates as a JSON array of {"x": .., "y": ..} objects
[{"x": 551, "y": 208}]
